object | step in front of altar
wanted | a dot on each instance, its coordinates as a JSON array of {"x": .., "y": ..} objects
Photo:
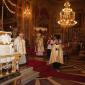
[{"x": 27, "y": 75}]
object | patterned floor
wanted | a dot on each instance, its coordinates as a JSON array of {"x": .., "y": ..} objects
[
  {"x": 53, "y": 81},
  {"x": 73, "y": 65}
]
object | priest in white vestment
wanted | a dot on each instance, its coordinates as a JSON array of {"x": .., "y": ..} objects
[
  {"x": 56, "y": 57},
  {"x": 56, "y": 54},
  {"x": 19, "y": 45},
  {"x": 39, "y": 47}
]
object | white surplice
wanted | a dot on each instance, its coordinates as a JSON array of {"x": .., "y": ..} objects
[{"x": 19, "y": 45}]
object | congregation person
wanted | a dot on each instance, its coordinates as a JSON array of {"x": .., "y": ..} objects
[
  {"x": 20, "y": 47},
  {"x": 39, "y": 45},
  {"x": 56, "y": 57}
]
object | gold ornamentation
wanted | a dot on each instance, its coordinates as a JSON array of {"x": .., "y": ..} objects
[{"x": 67, "y": 16}]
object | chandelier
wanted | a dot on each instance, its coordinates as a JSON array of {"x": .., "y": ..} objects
[
  {"x": 67, "y": 16},
  {"x": 27, "y": 10}
]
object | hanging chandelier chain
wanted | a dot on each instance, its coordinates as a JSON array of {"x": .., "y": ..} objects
[
  {"x": 26, "y": 11},
  {"x": 13, "y": 12},
  {"x": 13, "y": 4}
]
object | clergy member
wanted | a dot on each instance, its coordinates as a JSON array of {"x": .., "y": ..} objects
[
  {"x": 56, "y": 57},
  {"x": 39, "y": 47},
  {"x": 19, "y": 45}
]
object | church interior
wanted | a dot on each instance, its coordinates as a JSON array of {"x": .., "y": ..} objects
[{"x": 39, "y": 22}]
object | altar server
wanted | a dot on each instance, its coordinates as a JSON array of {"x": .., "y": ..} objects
[{"x": 19, "y": 45}]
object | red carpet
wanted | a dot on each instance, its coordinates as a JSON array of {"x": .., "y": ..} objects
[{"x": 46, "y": 71}]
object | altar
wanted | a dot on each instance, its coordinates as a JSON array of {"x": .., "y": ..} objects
[{"x": 9, "y": 64}]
